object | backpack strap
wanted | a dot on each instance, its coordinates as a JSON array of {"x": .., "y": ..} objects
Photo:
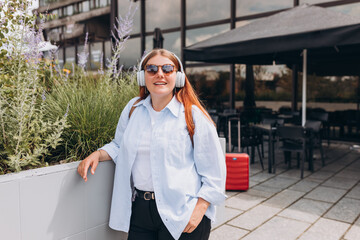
[{"x": 133, "y": 108}]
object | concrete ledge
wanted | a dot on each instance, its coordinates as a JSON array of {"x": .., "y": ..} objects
[{"x": 55, "y": 203}]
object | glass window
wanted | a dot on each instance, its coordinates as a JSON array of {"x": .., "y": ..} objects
[
  {"x": 131, "y": 53},
  {"x": 199, "y": 11},
  {"x": 70, "y": 54},
  {"x": 314, "y": 1},
  {"x": 171, "y": 42},
  {"x": 55, "y": 13},
  {"x": 123, "y": 7},
  {"x": 211, "y": 83},
  {"x": 103, "y": 3},
  {"x": 85, "y": 7},
  {"x": 169, "y": 12},
  {"x": 350, "y": 9},
  {"x": 60, "y": 57},
  {"x": 96, "y": 50},
  {"x": 248, "y": 7},
  {"x": 200, "y": 34},
  {"x": 70, "y": 10},
  {"x": 107, "y": 52}
]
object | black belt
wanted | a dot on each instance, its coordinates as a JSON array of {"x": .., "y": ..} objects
[{"x": 145, "y": 195}]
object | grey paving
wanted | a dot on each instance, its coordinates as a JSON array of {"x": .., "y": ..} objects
[
  {"x": 346, "y": 210},
  {"x": 354, "y": 232},
  {"x": 326, "y": 194},
  {"x": 306, "y": 210},
  {"x": 255, "y": 217},
  {"x": 325, "y": 229},
  {"x": 325, "y": 204}
]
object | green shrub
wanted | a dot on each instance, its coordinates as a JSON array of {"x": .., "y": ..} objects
[{"x": 94, "y": 106}]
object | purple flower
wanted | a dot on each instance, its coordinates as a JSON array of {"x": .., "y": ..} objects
[
  {"x": 67, "y": 111},
  {"x": 83, "y": 56},
  {"x": 43, "y": 96}
]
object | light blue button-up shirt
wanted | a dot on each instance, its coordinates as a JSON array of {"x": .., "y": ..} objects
[{"x": 181, "y": 172}]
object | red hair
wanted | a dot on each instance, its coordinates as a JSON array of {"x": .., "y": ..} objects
[{"x": 186, "y": 95}]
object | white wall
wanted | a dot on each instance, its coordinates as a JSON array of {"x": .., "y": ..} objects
[{"x": 55, "y": 203}]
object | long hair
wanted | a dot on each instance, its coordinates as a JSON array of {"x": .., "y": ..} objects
[{"x": 186, "y": 95}]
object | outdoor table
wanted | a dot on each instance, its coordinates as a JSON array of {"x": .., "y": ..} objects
[{"x": 223, "y": 121}]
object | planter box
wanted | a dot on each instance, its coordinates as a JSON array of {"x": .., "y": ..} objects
[{"x": 55, "y": 203}]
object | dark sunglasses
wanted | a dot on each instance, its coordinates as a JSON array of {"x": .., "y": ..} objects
[{"x": 166, "y": 69}]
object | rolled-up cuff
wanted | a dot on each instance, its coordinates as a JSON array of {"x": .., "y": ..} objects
[
  {"x": 211, "y": 195},
  {"x": 110, "y": 150}
]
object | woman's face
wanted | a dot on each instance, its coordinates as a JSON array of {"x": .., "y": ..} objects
[{"x": 160, "y": 84}]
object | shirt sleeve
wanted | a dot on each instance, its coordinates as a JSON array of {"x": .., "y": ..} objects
[
  {"x": 209, "y": 159},
  {"x": 113, "y": 147}
]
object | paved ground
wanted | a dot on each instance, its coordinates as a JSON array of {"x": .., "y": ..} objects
[{"x": 323, "y": 205}]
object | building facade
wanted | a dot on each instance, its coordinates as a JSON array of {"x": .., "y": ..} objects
[{"x": 182, "y": 23}]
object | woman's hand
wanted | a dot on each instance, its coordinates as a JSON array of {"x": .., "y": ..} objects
[
  {"x": 93, "y": 161},
  {"x": 197, "y": 215}
]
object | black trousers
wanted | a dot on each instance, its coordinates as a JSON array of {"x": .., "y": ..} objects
[{"x": 146, "y": 224}]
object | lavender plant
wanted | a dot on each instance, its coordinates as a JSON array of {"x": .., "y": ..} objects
[
  {"x": 27, "y": 135},
  {"x": 95, "y": 100}
]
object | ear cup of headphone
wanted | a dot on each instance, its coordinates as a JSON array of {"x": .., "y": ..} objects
[
  {"x": 180, "y": 79},
  {"x": 140, "y": 76}
]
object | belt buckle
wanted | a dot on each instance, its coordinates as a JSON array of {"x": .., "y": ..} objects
[{"x": 148, "y": 196}]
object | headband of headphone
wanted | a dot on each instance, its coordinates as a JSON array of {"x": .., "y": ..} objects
[{"x": 180, "y": 75}]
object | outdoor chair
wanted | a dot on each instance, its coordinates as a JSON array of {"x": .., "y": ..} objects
[
  {"x": 294, "y": 139},
  {"x": 315, "y": 138},
  {"x": 324, "y": 118},
  {"x": 249, "y": 138},
  {"x": 273, "y": 122}
]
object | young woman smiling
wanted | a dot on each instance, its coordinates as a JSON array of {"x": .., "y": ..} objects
[{"x": 170, "y": 168}]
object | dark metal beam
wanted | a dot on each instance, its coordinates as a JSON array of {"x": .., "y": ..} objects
[
  {"x": 232, "y": 66},
  {"x": 142, "y": 26},
  {"x": 183, "y": 30},
  {"x": 294, "y": 100}
]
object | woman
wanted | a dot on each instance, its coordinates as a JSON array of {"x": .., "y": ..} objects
[{"x": 170, "y": 168}]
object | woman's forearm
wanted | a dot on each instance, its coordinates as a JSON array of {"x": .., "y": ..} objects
[{"x": 103, "y": 155}]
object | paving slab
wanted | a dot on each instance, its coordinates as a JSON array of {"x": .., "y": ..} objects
[
  {"x": 325, "y": 229},
  {"x": 260, "y": 192},
  {"x": 340, "y": 182},
  {"x": 320, "y": 175},
  {"x": 354, "y": 232},
  {"x": 278, "y": 228},
  {"x": 333, "y": 167},
  {"x": 306, "y": 210},
  {"x": 243, "y": 201},
  {"x": 229, "y": 214},
  {"x": 349, "y": 172},
  {"x": 354, "y": 193},
  {"x": 280, "y": 182},
  {"x": 284, "y": 198},
  {"x": 294, "y": 173},
  {"x": 326, "y": 194},
  {"x": 227, "y": 232},
  {"x": 254, "y": 217},
  {"x": 261, "y": 177},
  {"x": 346, "y": 210},
  {"x": 231, "y": 193},
  {"x": 304, "y": 186}
]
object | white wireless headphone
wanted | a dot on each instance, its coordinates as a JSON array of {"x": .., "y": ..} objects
[{"x": 180, "y": 75}]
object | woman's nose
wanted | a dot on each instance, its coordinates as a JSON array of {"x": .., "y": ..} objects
[{"x": 160, "y": 73}]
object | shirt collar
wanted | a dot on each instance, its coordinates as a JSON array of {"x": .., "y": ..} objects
[{"x": 174, "y": 105}]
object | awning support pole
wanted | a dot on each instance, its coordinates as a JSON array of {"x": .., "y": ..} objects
[{"x": 304, "y": 87}]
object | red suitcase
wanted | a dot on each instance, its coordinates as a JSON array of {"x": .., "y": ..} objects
[{"x": 237, "y": 165}]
